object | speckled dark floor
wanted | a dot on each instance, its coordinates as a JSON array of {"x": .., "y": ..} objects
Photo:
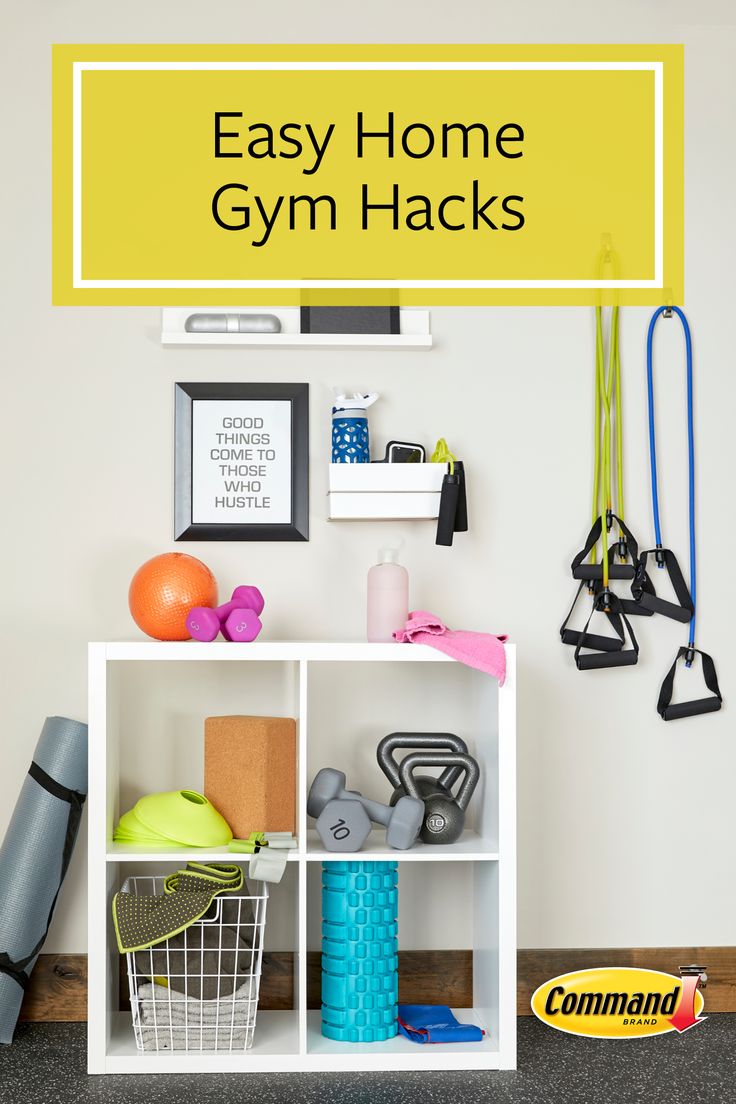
[{"x": 46, "y": 1065}]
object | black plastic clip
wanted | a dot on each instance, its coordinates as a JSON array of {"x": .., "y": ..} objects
[
  {"x": 609, "y": 520},
  {"x": 659, "y": 555}
]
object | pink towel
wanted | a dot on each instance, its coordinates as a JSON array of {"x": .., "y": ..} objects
[{"x": 480, "y": 650}]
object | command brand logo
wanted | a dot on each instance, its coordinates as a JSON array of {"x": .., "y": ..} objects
[{"x": 612, "y": 1002}]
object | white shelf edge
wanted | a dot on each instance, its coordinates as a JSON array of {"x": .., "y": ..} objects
[
  {"x": 275, "y": 1049},
  {"x": 347, "y": 651},
  {"x": 399, "y": 1050},
  {"x": 470, "y": 848},
  {"x": 302, "y": 341},
  {"x": 120, "y": 852},
  {"x": 415, "y": 331}
]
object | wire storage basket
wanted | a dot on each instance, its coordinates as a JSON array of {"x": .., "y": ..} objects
[{"x": 198, "y": 990}]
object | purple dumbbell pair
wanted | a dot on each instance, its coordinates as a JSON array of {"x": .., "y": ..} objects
[{"x": 238, "y": 619}]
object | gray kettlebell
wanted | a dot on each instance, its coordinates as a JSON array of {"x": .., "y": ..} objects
[
  {"x": 426, "y": 784},
  {"x": 444, "y": 815}
]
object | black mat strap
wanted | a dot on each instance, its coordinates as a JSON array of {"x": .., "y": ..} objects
[
  {"x": 15, "y": 967},
  {"x": 7, "y": 966},
  {"x": 645, "y": 595},
  {"x": 679, "y": 710}
]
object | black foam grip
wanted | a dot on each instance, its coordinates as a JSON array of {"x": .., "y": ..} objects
[
  {"x": 590, "y": 661},
  {"x": 448, "y": 510},
  {"x": 595, "y": 571},
  {"x": 644, "y": 593},
  {"x": 577, "y": 637},
  {"x": 653, "y": 604},
  {"x": 691, "y": 709},
  {"x": 461, "y": 513}
]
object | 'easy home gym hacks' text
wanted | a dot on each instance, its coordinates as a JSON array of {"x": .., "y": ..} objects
[{"x": 237, "y": 206}]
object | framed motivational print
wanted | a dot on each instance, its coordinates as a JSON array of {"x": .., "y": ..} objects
[{"x": 242, "y": 461}]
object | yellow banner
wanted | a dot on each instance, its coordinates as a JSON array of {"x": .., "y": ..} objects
[{"x": 342, "y": 174}]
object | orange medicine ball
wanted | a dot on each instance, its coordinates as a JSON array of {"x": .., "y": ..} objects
[{"x": 164, "y": 589}]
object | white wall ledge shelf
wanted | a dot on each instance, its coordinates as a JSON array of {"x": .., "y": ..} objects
[{"x": 415, "y": 331}]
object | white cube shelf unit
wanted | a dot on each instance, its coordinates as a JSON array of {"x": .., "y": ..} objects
[{"x": 147, "y": 704}]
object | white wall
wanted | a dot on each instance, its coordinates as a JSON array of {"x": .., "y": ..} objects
[{"x": 626, "y": 824}]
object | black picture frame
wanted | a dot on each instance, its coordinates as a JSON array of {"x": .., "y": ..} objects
[{"x": 185, "y": 396}]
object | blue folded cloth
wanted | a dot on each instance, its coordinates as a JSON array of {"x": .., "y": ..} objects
[{"x": 435, "y": 1023}]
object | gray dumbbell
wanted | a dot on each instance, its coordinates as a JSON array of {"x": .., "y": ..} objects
[
  {"x": 402, "y": 822},
  {"x": 343, "y": 825}
]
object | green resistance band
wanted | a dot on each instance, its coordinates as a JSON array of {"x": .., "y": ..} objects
[
  {"x": 442, "y": 455},
  {"x": 607, "y": 405}
]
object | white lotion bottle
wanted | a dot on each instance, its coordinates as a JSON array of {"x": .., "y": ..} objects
[{"x": 388, "y": 596}]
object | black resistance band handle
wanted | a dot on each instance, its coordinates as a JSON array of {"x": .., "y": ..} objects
[
  {"x": 645, "y": 595},
  {"x": 590, "y": 572},
  {"x": 582, "y": 638},
  {"x": 461, "y": 513},
  {"x": 610, "y": 604},
  {"x": 679, "y": 710},
  {"x": 449, "y": 498}
]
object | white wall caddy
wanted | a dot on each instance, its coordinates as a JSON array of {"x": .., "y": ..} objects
[
  {"x": 415, "y": 331},
  {"x": 147, "y": 703},
  {"x": 373, "y": 492}
]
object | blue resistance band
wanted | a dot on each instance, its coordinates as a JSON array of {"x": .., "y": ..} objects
[{"x": 690, "y": 443}]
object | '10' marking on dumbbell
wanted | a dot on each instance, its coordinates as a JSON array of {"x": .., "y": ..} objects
[{"x": 340, "y": 830}]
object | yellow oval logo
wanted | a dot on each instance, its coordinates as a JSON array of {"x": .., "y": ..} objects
[{"x": 611, "y": 1002}]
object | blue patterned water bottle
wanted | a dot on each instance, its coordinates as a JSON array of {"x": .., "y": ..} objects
[{"x": 350, "y": 437}]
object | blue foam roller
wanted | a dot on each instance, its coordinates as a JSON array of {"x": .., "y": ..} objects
[
  {"x": 359, "y": 951},
  {"x": 35, "y": 855}
]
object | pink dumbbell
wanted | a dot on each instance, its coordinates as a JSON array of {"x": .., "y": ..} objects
[
  {"x": 241, "y": 625},
  {"x": 204, "y": 623}
]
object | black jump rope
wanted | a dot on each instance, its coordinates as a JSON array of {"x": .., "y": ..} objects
[
  {"x": 594, "y": 650},
  {"x": 453, "y": 515}
]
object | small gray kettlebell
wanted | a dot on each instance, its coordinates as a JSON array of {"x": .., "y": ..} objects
[
  {"x": 444, "y": 814},
  {"x": 421, "y": 741}
]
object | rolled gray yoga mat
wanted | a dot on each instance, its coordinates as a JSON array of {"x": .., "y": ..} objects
[{"x": 35, "y": 855}]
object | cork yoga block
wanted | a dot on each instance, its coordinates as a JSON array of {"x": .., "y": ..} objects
[{"x": 250, "y": 772}]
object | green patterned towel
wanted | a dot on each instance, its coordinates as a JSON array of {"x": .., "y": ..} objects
[{"x": 144, "y": 921}]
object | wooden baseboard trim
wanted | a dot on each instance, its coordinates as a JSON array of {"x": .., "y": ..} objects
[
  {"x": 58, "y": 987},
  {"x": 57, "y": 990},
  {"x": 537, "y": 966}
]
